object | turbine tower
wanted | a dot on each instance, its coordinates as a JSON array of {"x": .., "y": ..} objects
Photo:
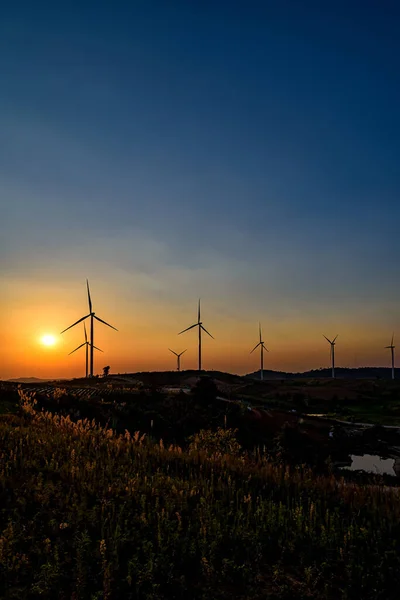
[
  {"x": 199, "y": 324},
  {"x": 392, "y": 351},
  {"x": 92, "y": 316},
  {"x": 332, "y": 343},
  {"x": 85, "y": 343},
  {"x": 178, "y": 357},
  {"x": 262, "y": 348}
]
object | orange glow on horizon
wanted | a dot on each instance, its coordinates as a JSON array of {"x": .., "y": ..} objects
[{"x": 148, "y": 326}]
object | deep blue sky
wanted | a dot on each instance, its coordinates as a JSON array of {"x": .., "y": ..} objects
[{"x": 244, "y": 151}]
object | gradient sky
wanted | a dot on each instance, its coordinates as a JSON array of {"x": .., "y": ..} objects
[{"x": 244, "y": 152}]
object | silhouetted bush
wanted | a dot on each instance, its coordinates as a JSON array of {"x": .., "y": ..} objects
[{"x": 205, "y": 391}]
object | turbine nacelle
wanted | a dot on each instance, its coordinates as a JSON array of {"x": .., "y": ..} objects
[
  {"x": 93, "y": 316},
  {"x": 391, "y": 344},
  {"x": 85, "y": 344},
  {"x": 260, "y": 343},
  {"x": 262, "y": 346},
  {"x": 332, "y": 342},
  {"x": 176, "y": 353}
]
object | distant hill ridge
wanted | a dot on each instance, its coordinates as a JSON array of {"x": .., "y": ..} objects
[
  {"x": 340, "y": 373},
  {"x": 171, "y": 376},
  {"x": 30, "y": 380}
]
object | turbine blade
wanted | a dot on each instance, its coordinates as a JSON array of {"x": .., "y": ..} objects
[
  {"x": 108, "y": 324},
  {"x": 328, "y": 340},
  {"x": 183, "y": 352},
  {"x": 76, "y": 323},
  {"x": 259, "y": 329},
  {"x": 391, "y": 343},
  {"x": 208, "y": 333},
  {"x": 264, "y": 347},
  {"x": 198, "y": 313},
  {"x": 187, "y": 329},
  {"x": 89, "y": 298},
  {"x": 84, "y": 328},
  {"x": 173, "y": 352},
  {"x": 84, "y": 344},
  {"x": 335, "y": 338},
  {"x": 255, "y": 347},
  {"x": 98, "y": 348}
]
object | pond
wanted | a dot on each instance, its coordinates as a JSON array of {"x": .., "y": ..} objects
[{"x": 372, "y": 463}]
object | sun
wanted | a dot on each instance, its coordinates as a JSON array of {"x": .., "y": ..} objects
[{"x": 48, "y": 340}]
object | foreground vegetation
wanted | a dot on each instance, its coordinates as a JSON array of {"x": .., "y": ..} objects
[{"x": 86, "y": 513}]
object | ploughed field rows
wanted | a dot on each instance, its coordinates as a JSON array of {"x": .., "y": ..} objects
[
  {"x": 86, "y": 393},
  {"x": 83, "y": 393}
]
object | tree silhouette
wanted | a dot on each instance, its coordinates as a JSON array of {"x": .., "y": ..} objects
[
  {"x": 106, "y": 371},
  {"x": 205, "y": 391}
]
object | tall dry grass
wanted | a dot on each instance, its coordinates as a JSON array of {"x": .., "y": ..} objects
[{"x": 85, "y": 513}]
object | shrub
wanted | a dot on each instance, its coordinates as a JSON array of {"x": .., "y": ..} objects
[{"x": 215, "y": 443}]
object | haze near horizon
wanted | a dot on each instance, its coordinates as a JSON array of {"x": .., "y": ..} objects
[{"x": 244, "y": 154}]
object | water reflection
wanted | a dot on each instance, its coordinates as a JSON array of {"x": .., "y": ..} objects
[{"x": 371, "y": 463}]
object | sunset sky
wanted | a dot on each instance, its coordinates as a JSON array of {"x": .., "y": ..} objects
[{"x": 244, "y": 152}]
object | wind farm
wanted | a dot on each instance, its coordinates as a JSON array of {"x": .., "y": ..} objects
[{"x": 199, "y": 326}]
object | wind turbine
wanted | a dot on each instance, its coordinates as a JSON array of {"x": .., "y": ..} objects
[
  {"x": 332, "y": 343},
  {"x": 262, "y": 348},
  {"x": 85, "y": 343},
  {"x": 392, "y": 351},
  {"x": 178, "y": 357},
  {"x": 199, "y": 324},
  {"x": 92, "y": 316}
]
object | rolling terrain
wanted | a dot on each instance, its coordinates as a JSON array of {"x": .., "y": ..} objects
[
  {"x": 371, "y": 400},
  {"x": 129, "y": 491}
]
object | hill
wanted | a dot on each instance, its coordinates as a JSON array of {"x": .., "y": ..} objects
[
  {"x": 161, "y": 378},
  {"x": 90, "y": 514},
  {"x": 340, "y": 373},
  {"x": 29, "y": 380}
]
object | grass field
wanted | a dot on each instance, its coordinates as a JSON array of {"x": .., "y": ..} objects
[
  {"x": 368, "y": 401},
  {"x": 365, "y": 400},
  {"x": 89, "y": 514}
]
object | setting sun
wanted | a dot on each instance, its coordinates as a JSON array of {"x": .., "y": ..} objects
[{"x": 48, "y": 340}]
